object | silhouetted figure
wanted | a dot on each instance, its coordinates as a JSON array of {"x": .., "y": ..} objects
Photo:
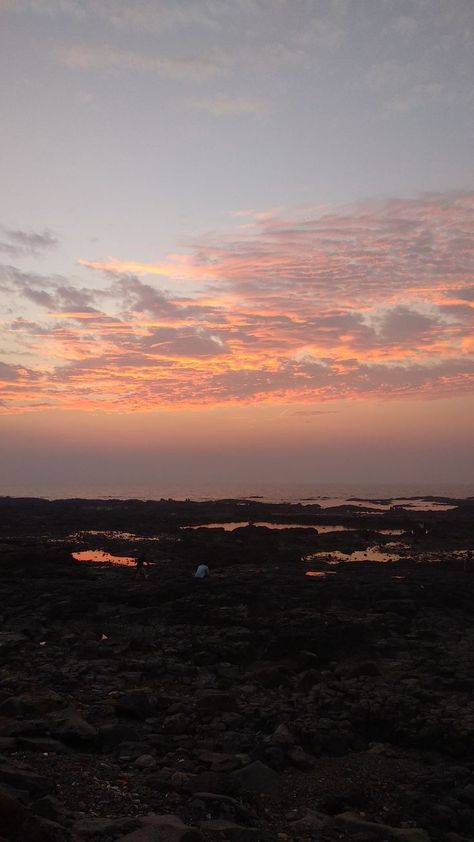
[{"x": 202, "y": 572}]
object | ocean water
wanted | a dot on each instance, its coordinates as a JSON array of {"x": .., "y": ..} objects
[{"x": 323, "y": 493}]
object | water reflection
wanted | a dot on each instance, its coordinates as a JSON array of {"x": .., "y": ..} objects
[
  {"x": 418, "y": 504},
  {"x": 231, "y": 525},
  {"x": 370, "y": 554},
  {"x": 112, "y": 535},
  {"x": 103, "y": 558}
]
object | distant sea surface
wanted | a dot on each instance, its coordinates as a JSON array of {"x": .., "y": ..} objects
[{"x": 292, "y": 493}]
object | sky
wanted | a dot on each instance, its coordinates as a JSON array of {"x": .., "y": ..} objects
[{"x": 236, "y": 244}]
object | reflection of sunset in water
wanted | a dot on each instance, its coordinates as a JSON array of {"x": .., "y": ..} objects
[
  {"x": 232, "y": 525},
  {"x": 103, "y": 558}
]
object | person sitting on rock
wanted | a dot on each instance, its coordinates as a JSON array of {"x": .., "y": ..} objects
[{"x": 202, "y": 572}]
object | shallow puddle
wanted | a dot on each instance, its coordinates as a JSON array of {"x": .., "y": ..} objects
[
  {"x": 231, "y": 525},
  {"x": 391, "y": 531},
  {"x": 111, "y": 535},
  {"x": 370, "y": 554},
  {"x": 418, "y": 504},
  {"x": 104, "y": 558}
]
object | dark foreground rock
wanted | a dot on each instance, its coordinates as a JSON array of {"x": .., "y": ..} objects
[{"x": 261, "y": 704}]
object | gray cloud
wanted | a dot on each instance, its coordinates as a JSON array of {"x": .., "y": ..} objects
[{"x": 18, "y": 243}]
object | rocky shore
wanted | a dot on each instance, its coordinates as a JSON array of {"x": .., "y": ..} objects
[{"x": 262, "y": 703}]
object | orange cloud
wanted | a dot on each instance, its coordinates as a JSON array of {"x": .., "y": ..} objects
[{"x": 371, "y": 301}]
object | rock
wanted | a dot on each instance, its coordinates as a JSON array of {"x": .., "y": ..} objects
[
  {"x": 24, "y": 779},
  {"x": 91, "y": 827},
  {"x": 38, "y": 829},
  {"x": 145, "y": 761},
  {"x": 46, "y": 745},
  {"x": 276, "y": 757},
  {"x": 300, "y": 759},
  {"x": 72, "y": 728},
  {"x": 354, "y": 823},
  {"x": 12, "y": 814},
  {"x": 165, "y": 828},
  {"x": 231, "y": 832},
  {"x": 176, "y": 724},
  {"x": 48, "y": 807},
  {"x": 214, "y": 701},
  {"x": 258, "y": 778},
  {"x": 217, "y": 782},
  {"x": 10, "y": 642},
  {"x": 205, "y": 804},
  {"x": 114, "y": 733},
  {"x": 33, "y": 703},
  {"x": 137, "y": 704},
  {"x": 311, "y": 821},
  {"x": 220, "y": 762},
  {"x": 283, "y": 737}
]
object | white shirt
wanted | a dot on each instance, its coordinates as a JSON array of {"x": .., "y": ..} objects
[{"x": 201, "y": 572}]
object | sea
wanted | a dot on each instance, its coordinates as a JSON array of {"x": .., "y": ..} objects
[{"x": 336, "y": 493}]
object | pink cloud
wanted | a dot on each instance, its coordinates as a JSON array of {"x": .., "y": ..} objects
[{"x": 372, "y": 300}]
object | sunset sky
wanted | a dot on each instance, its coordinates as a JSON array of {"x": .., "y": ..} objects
[{"x": 236, "y": 244}]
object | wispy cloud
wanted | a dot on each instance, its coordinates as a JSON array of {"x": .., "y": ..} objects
[{"x": 210, "y": 65}]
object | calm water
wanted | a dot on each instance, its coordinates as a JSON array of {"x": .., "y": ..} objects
[
  {"x": 232, "y": 525},
  {"x": 327, "y": 495}
]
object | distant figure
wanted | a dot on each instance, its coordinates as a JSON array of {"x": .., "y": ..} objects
[
  {"x": 467, "y": 560},
  {"x": 140, "y": 566},
  {"x": 202, "y": 572}
]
